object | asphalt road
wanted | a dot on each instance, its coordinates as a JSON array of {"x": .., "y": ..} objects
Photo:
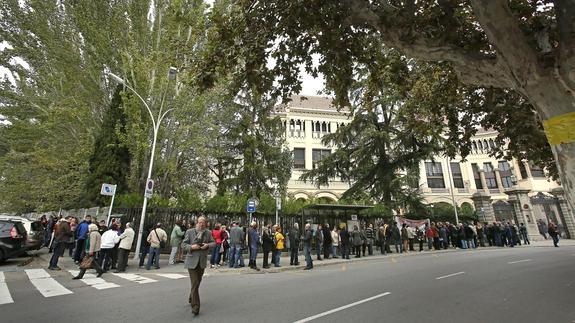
[{"x": 491, "y": 285}]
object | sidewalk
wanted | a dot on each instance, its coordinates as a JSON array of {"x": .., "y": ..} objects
[{"x": 43, "y": 257}]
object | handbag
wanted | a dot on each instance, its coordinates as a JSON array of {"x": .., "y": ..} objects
[
  {"x": 162, "y": 242},
  {"x": 87, "y": 262}
]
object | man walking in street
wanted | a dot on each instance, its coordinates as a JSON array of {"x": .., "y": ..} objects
[
  {"x": 197, "y": 243},
  {"x": 253, "y": 242},
  {"x": 126, "y": 240},
  {"x": 82, "y": 234},
  {"x": 542, "y": 228},
  {"x": 109, "y": 239},
  {"x": 553, "y": 233},
  {"x": 176, "y": 238},
  {"x": 156, "y": 238},
  {"x": 62, "y": 235},
  {"x": 307, "y": 238},
  {"x": 294, "y": 237}
]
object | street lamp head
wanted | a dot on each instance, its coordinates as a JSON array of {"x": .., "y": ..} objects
[
  {"x": 116, "y": 78},
  {"x": 172, "y": 71}
]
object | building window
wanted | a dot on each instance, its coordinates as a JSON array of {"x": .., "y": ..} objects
[
  {"x": 536, "y": 171},
  {"x": 434, "y": 175},
  {"x": 476, "y": 176},
  {"x": 299, "y": 158},
  {"x": 490, "y": 179},
  {"x": 318, "y": 155},
  {"x": 457, "y": 176},
  {"x": 505, "y": 173}
]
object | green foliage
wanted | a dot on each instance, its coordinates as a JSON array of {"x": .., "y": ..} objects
[
  {"x": 378, "y": 211},
  {"x": 110, "y": 161},
  {"x": 377, "y": 152},
  {"x": 444, "y": 212}
]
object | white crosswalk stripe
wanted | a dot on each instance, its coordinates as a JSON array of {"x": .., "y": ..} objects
[
  {"x": 136, "y": 278},
  {"x": 46, "y": 285},
  {"x": 5, "y": 297},
  {"x": 92, "y": 280},
  {"x": 172, "y": 276}
]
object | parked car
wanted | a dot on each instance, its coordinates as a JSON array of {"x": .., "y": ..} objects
[
  {"x": 34, "y": 229},
  {"x": 12, "y": 238}
]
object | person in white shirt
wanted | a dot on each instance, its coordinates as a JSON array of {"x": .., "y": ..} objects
[
  {"x": 335, "y": 239},
  {"x": 126, "y": 240},
  {"x": 109, "y": 240}
]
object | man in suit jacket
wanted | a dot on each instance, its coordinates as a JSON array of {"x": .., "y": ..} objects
[{"x": 197, "y": 243}]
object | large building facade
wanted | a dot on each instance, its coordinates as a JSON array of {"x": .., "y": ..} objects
[{"x": 496, "y": 188}]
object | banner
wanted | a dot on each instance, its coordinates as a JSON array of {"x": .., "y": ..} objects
[{"x": 412, "y": 223}]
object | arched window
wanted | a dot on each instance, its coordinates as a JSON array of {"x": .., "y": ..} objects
[
  {"x": 474, "y": 144},
  {"x": 480, "y": 145},
  {"x": 491, "y": 144},
  {"x": 323, "y": 127},
  {"x": 292, "y": 124}
]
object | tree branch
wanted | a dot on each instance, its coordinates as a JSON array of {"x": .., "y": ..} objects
[
  {"x": 472, "y": 68},
  {"x": 503, "y": 31}
]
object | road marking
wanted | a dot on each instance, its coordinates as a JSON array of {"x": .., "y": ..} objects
[
  {"x": 5, "y": 297},
  {"x": 46, "y": 285},
  {"x": 92, "y": 280},
  {"x": 172, "y": 276},
  {"x": 136, "y": 278},
  {"x": 518, "y": 261},
  {"x": 311, "y": 318},
  {"x": 450, "y": 275}
]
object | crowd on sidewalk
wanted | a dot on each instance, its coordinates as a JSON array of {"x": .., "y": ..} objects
[{"x": 110, "y": 245}]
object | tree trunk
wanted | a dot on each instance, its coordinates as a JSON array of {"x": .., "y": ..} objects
[{"x": 556, "y": 107}]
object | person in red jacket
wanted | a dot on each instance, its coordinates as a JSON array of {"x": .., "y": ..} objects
[{"x": 217, "y": 235}]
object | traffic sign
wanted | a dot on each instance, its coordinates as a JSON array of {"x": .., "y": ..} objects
[
  {"x": 278, "y": 203},
  {"x": 149, "y": 188},
  {"x": 251, "y": 208},
  {"x": 108, "y": 189}
]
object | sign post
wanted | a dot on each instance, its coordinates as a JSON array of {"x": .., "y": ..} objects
[
  {"x": 109, "y": 190},
  {"x": 278, "y": 205},
  {"x": 251, "y": 208}
]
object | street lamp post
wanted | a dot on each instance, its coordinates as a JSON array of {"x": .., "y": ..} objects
[
  {"x": 156, "y": 127},
  {"x": 451, "y": 185}
]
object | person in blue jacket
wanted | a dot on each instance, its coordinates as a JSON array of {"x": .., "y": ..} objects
[{"x": 81, "y": 234}]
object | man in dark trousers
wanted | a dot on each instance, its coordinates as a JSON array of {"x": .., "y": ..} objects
[
  {"x": 318, "y": 241},
  {"x": 62, "y": 234},
  {"x": 294, "y": 237},
  {"x": 307, "y": 239},
  {"x": 344, "y": 235},
  {"x": 197, "y": 243},
  {"x": 82, "y": 234},
  {"x": 268, "y": 244},
  {"x": 326, "y": 241}
]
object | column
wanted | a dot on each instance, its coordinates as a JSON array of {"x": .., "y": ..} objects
[
  {"x": 498, "y": 179},
  {"x": 567, "y": 211},
  {"x": 516, "y": 170},
  {"x": 524, "y": 211},
  {"x": 482, "y": 201},
  {"x": 527, "y": 169},
  {"x": 483, "y": 181}
]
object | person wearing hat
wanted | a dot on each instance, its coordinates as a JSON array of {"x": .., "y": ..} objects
[{"x": 92, "y": 245}]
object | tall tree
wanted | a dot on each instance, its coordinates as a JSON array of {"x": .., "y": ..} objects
[
  {"x": 519, "y": 45},
  {"x": 377, "y": 152},
  {"x": 110, "y": 160}
]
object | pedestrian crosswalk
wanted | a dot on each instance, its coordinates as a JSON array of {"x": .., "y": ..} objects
[{"x": 53, "y": 284}]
